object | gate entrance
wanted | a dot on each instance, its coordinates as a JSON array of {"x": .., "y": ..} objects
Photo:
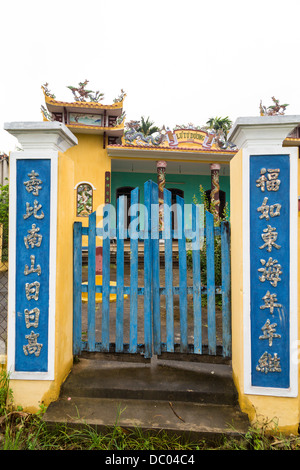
[{"x": 161, "y": 291}]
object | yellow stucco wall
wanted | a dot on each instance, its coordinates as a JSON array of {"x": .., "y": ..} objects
[
  {"x": 237, "y": 268},
  {"x": 279, "y": 412},
  {"x": 64, "y": 269},
  {"x": 298, "y": 348},
  {"x": 90, "y": 162}
]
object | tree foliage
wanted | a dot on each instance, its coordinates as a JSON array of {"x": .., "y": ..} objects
[
  {"x": 220, "y": 125},
  {"x": 147, "y": 127}
]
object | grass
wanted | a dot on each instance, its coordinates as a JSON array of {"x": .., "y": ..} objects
[
  {"x": 22, "y": 431},
  {"x": 28, "y": 431}
]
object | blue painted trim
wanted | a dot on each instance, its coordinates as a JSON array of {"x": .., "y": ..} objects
[
  {"x": 226, "y": 303},
  {"x": 196, "y": 281},
  {"x": 155, "y": 269},
  {"x": 169, "y": 273},
  {"x": 133, "y": 332},
  {"x": 105, "y": 279},
  {"x": 120, "y": 273},
  {"x": 182, "y": 278},
  {"x": 77, "y": 281},
  {"x": 211, "y": 298},
  {"x": 35, "y": 358},
  {"x": 147, "y": 272},
  {"x": 91, "y": 281},
  {"x": 263, "y": 351}
]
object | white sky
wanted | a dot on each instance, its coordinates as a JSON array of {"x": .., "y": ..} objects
[{"x": 178, "y": 61}]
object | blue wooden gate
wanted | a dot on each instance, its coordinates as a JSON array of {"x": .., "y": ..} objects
[{"x": 171, "y": 306}]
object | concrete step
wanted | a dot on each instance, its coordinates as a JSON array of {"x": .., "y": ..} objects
[
  {"x": 159, "y": 380},
  {"x": 198, "y": 400},
  {"x": 193, "y": 420}
]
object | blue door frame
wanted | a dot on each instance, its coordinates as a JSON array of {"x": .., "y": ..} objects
[{"x": 152, "y": 291}]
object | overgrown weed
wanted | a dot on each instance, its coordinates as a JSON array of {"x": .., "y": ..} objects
[{"x": 5, "y": 391}]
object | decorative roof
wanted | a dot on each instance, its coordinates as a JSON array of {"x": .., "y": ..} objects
[
  {"x": 183, "y": 153},
  {"x": 182, "y": 138},
  {"x": 291, "y": 142},
  {"x": 174, "y": 149},
  {"x": 86, "y": 114},
  {"x": 81, "y": 102}
]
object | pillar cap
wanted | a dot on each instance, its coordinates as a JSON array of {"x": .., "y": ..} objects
[
  {"x": 215, "y": 166},
  {"x": 262, "y": 130},
  {"x": 43, "y": 135},
  {"x": 161, "y": 164}
]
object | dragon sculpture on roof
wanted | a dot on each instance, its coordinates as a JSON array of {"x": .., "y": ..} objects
[
  {"x": 132, "y": 134},
  {"x": 274, "y": 110},
  {"x": 121, "y": 97},
  {"x": 47, "y": 92},
  {"x": 81, "y": 94}
]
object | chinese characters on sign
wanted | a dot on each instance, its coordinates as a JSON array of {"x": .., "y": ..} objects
[
  {"x": 269, "y": 270},
  {"x": 33, "y": 239},
  {"x": 32, "y": 264}
]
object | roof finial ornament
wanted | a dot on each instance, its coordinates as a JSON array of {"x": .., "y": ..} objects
[
  {"x": 274, "y": 110},
  {"x": 47, "y": 91},
  {"x": 81, "y": 94},
  {"x": 121, "y": 97}
]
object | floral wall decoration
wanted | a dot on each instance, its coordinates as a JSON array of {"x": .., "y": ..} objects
[{"x": 84, "y": 199}]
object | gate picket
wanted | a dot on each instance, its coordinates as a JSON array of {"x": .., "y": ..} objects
[
  {"x": 133, "y": 273},
  {"x": 120, "y": 273},
  {"x": 105, "y": 278},
  {"x": 152, "y": 290},
  {"x": 168, "y": 270},
  {"x": 155, "y": 269},
  {"x": 77, "y": 281},
  {"x": 196, "y": 280},
  {"x": 147, "y": 272},
  {"x": 91, "y": 281},
  {"x": 182, "y": 277},
  {"x": 211, "y": 297},
  {"x": 226, "y": 317}
]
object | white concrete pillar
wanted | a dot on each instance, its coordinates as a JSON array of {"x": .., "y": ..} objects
[
  {"x": 264, "y": 235},
  {"x": 33, "y": 215}
]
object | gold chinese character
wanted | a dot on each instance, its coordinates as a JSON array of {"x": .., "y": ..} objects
[
  {"x": 268, "y": 180},
  {"x": 269, "y": 332},
  {"x": 32, "y": 269},
  {"x": 34, "y": 210},
  {"x": 267, "y": 363},
  {"x": 32, "y": 290},
  {"x": 33, "y": 347},
  {"x": 271, "y": 271},
  {"x": 268, "y": 211},
  {"x": 33, "y": 238},
  {"x": 269, "y": 237},
  {"x": 33, "y": 185},
  {"x": 32, "y": 317},
  {"x": 270, "y": 302}
]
